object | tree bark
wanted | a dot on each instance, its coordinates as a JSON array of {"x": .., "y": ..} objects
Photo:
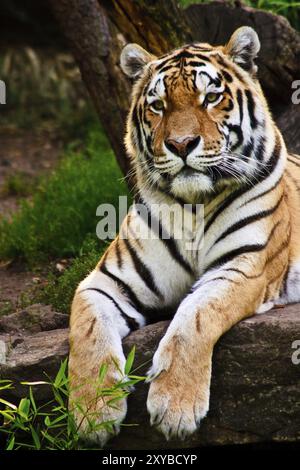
[
  {"x": 98, "y": 29},
  {"x": 279, "y": 57},
  {"x": 96, "y": 45},
  {"x": 97, "y": 32}
]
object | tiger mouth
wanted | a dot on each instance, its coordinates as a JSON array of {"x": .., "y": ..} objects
[
  {"x": 214, "y": 172},
  {"x": 189, "y": 171}
]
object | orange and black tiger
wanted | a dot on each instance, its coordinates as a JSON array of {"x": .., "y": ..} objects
[{"x": 199, "y": 132}]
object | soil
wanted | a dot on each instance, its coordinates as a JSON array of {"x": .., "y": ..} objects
[{"x": 29, "y": 153}]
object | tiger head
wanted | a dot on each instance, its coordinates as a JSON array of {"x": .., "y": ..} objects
[{"x": 198, "y": 119}]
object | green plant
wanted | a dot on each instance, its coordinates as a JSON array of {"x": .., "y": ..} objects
[
  {"x": 55, "y": 222},
  {"x": 6, "y": 307},
  {"x": 59, "y": 291},
  {"x": 18, "y": 184},
  {"x": 51, "y": 426}
]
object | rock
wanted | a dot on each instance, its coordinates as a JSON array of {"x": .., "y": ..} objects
[
  {"x": 33, "y": 319},
  {"x": 288, "y": 123},
  {"x": 255, "y": 393},
  {"x": 30, "y": 357}
]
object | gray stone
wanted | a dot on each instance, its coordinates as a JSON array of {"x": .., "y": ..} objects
[
  {"x": 33, "y": 319},
  {"x": 31, "y": 358}
]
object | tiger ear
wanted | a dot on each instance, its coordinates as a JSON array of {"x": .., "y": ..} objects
[
  {"x": 133, "y": 60},
  {"x": 243, "y": 48}
]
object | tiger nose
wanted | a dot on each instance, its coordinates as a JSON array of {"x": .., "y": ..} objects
[{"x": 182, "y": 146}]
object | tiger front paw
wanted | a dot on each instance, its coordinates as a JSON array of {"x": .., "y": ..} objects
[
  {"x": 98, "y": 405},
  {"x": 178, "y": 397},
  {"x": 97, "y": 426}
]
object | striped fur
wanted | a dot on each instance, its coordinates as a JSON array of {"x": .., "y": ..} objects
[{"x": 228, "y": 155}]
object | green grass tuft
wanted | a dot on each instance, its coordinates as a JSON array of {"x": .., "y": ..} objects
[
  {"x": 59, "y": 291},
  {"x": 63, "y": 210},
  {"x": 51, "y": 426},
  {"x": 18, "y": 184}
]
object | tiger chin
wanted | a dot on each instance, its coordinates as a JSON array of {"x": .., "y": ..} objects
[{"x": 199, "y": 131}]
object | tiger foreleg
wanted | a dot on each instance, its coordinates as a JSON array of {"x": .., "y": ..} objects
[
  {"x": 100, "y": 318},
  {"x": 181, "y": 372}
]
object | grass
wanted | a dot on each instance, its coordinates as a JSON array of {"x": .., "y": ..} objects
[
  {"x": 59, "y": 290},
  {"x": 288, "y": 8},
  {"x": 63, "y": 210},
  {"x": 19, "y": 184},
  {"x": 51, "y": 425}
]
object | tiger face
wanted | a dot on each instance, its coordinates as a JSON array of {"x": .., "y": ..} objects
[{"x": 198, "y": 116}]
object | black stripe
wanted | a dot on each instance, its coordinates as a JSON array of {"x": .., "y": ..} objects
[
  {"x": 239, "y": 271},
  {"x": 166, "y": 238},
  {"x": 231, "y": 198},
  {"x": 228, "y": 90},
  {"x": 249, "y": 220},
  {"x": 142, "y": 270},
  {"x": 227, "y": 76},
  {"x": 119, "y": 255},
  {"x": 267, "y": 191},
  {"x": 251, "y": 248},
  {"x": 190, "y": 55},
  {"x": 238, "y": 131},
  {"x": 260, "y": 150},
  {"x": 172, "y": 61},
  {"x": 151, "y": 314},
  {"x": 196, "y": 63},
  {"x": 215, "y": 81},
  {"x": 251, "y": 109},
  {"x": 136, "y": 123},
  {"x": 124, "y": 287},
  {"x": 131, "y": 322},
  {"x": 239, "y": 96},
  {"x": 272, "y": 163},
  {"x": 247, "y": 149}
]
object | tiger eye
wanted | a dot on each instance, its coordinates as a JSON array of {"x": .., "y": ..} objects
[
  {"x": 212, "y": 97},
  {"x": 158, "y": 105}
]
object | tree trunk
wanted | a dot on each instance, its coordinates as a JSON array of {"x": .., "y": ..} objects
[
  {"x": 98, "y": 29},
  {"x": 279, "y": 57},
  {"x": 97, "y": 32}
]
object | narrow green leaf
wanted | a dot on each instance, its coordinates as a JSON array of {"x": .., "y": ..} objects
[
  {"x": 9, "y": 416},
  {"x": 102, "y": 372},
  {"x": 47, "y": 421},
  {"x": 35, "y": 438},
  {"x": 61, "y": 374},
  {"x": 11, "y": 443},
  {"x": 24, "y": 407},
  {"x": 32, "y": 400},
  {"x": 129, "y": 361}
]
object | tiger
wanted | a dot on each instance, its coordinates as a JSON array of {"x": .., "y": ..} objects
[{"x": 199, "y": 133}]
